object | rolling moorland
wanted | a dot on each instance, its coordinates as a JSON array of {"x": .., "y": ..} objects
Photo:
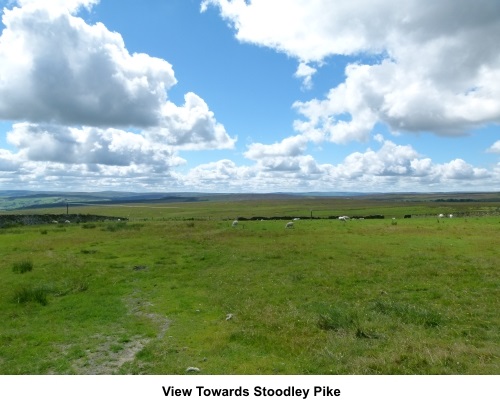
[{"x": 164, "y": 284}]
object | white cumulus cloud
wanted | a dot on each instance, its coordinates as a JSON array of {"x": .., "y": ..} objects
[
  {"x": 112, "y": 147},
  {"x": 73, "y": 89},
  {"x": 58, "y": 6},
  {"x": 191, "y": 126},
  {"x": 56, "y": 68},
  {"x": 433, "y": 66},
  {"x": 389, "y": 168},
  {"x": 495, "y": 148},
  {"x": 305, "y": 72},
  {"x": 288, "y": 147}
]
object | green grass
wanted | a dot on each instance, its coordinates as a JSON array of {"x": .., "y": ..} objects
[
  {"x": 408, "y": 313},
  {"x": 152, "y": 296},
  {"x": 22, "y": 266},
  {"x": 31, "y": 294}
]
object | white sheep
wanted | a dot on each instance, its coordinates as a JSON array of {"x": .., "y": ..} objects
[
  {"x": 289, "y": 225},
  {"x": 451, "y": 215},
  {"x": 235, "y": 223},
  {"x": 441, "y": 215}
]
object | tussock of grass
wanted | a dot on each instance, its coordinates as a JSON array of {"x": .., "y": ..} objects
[
  {"x": 409, "y": 313},
  {"x": 121, "y": 226},
  {"x": 31, "y": 294},
  {"x": 338, "y": 318},
  {"x": 72, "y": 287},
  {"x": 347, "y": 321},
  {"x": 115, "y": 226},
  {"x": 22, "y": 266}
]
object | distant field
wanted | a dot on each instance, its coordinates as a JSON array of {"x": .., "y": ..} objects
[
  {"x": 176, "y": 286},
  {"x": 297, "y": 207}
]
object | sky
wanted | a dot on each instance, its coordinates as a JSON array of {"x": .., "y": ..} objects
[{"x": 250, "y": 96}]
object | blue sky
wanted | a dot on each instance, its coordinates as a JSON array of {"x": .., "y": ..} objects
[{"x": 235, "y": 96}]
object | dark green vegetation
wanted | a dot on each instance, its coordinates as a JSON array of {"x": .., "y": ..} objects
[
  {"x": 178, "y": 287},
  {"x": 13, "y": 220},
  {"x": 22, "y": 266}
]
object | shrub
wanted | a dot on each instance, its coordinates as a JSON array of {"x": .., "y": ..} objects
[{"x": 23, "y": 266}]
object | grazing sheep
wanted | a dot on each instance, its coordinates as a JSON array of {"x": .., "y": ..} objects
[
  {"x": 67, "y": 222},
  {"x": 289, "y": 225},
  {"x": 451, "y": 215},
  {"x": 344, "y": 218},
  {"x": 441, "y": 215},
  {"x": 235, "y": 223}
]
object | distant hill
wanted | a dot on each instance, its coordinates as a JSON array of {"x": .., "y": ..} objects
[
  {"x": 17, "y": 200},
  {"x": 24, "y": 199}
]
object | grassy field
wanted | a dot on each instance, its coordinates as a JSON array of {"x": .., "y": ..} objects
[{"x": 178, "y": 287}]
